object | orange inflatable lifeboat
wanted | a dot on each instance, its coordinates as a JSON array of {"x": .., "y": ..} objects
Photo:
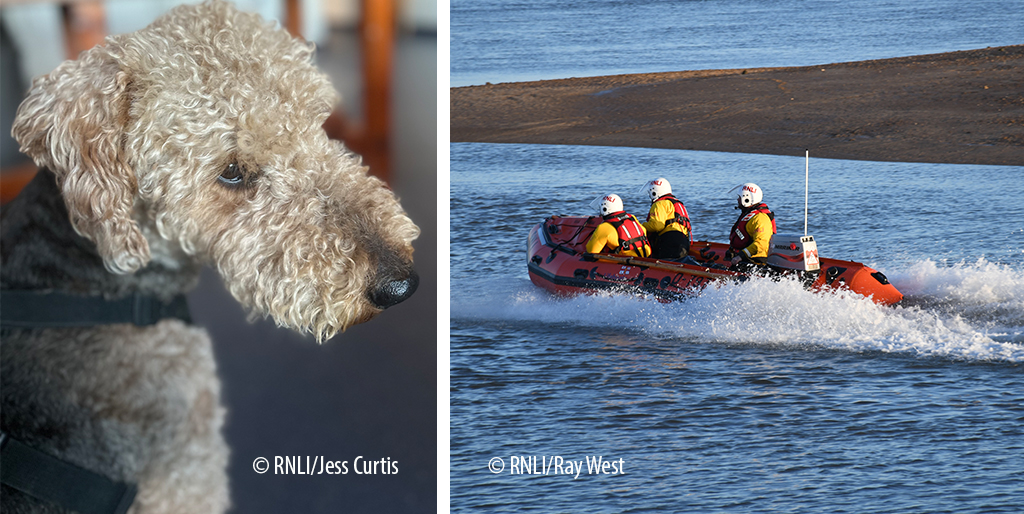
[{"x": 558, "y": 262}]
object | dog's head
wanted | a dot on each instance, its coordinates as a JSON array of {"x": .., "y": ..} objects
[{"x": 206, "y": 129}]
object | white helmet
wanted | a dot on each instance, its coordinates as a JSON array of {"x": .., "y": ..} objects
[
  {"x": 749, "y": 194},
  {"x": 608, "y": 204},
  {"x": 656, "y": 188}
]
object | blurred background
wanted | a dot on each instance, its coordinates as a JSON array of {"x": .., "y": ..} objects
[{"x": 368, "y": 392}]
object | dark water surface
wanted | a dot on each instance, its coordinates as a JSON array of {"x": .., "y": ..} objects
[
  {"x": 515, "y": 40},
  {"x": 753, "y": 397}
]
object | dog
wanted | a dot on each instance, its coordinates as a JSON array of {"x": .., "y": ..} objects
[{"x": 195, "y": 141}]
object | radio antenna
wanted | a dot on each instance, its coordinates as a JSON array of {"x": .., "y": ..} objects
[{"x": 807, "y": 174}]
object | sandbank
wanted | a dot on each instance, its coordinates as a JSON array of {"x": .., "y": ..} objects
[{"x": 956, "y": 107}]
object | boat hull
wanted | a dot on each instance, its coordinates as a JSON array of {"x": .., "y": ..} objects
[{"x": 557, "y": 262}]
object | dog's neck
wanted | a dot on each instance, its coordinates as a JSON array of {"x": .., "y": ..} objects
[{"x": 39, "y": 249}]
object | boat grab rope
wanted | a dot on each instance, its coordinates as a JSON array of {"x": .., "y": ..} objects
[
  {"x": 665, "y": 266},
  {"x": 571, "y": 238}
]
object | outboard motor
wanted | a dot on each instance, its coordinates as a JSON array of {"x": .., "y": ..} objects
[{"x": 793, "y": 252}]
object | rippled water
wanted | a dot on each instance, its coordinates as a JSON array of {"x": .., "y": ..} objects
[
  {"x": 514, "y": 40},
  {"x": 759, "y": 396}
]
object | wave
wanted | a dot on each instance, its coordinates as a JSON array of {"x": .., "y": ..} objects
[
  {"x": 968, "y": 311},
  {"x": 981, "y": 291}
]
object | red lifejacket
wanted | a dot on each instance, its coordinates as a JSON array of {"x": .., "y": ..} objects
[
  {"x": 631, "y": 234},
  {"x": 738, "y": 237},
  {"x": 681, "y": 216}
]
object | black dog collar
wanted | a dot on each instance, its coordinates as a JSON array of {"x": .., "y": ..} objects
[{"x": 41, "y": 309}]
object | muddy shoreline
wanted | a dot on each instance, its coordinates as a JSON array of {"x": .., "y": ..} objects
[{"x": 957, "y": 107}]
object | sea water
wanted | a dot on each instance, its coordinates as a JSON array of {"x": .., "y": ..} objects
[
  {"x": 753, "y": 397},
  {"x": 759, "y": 396},
  {"x": 516, "y": 40}
]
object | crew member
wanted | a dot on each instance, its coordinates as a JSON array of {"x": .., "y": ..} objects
[
  {"x": 749, "y": 237},
  {"x": 620, "y": 233},
  {"x": 668, "y": 224}
]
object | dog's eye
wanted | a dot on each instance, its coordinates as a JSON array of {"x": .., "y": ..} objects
[{"x": 232, "y": 175}]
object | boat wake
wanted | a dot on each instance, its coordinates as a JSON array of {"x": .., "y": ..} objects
[
  {"x": 981, "y": 291},
  {"x": 970, "y": 311}
]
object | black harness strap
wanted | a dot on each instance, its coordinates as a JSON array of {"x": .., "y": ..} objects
[
  {"x": 678, "y": 218},
  {"x": 39, "y": 474},
  {"x": 637, "y": 244},
  {"x": 48, "y": 478},
  {"x": 38, "y": 309}
]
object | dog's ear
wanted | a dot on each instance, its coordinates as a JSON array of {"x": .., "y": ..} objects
[{"x": 73, "y": 123}]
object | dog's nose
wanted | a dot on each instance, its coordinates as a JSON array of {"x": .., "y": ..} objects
[{"x": 391, "y": 291}]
